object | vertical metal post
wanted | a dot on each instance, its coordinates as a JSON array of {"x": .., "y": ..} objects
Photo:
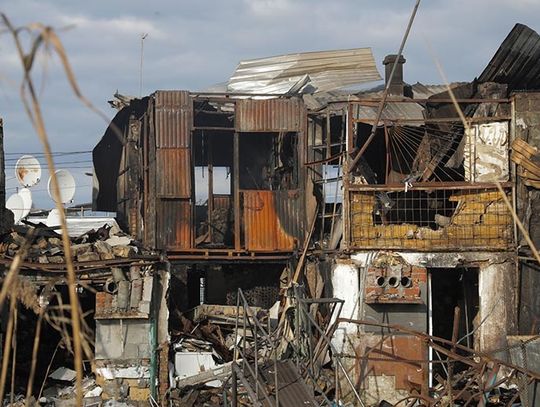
[
  {"x": 234, "y": 386},
  {"x": 236, "y": 178},
  {"x": 243, "y": 334},
  {"x": 254, "y": 327},
  {"x": 387, "y": 142},
  {"x": 210, "y": 205}
]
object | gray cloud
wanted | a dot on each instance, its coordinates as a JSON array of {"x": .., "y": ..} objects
[{"x": 194, "y": 44}]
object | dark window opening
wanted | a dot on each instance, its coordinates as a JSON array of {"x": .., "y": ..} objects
[
  {"x": 213, "y": 163},
  {"x": 452, "y": 288},
  {"x": 268, "y": 161}
]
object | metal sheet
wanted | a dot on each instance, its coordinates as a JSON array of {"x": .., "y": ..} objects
[
  {"x": 174, "y": 224},
  {"x": 391, "y": 111},
  {"x": 222, "y": 201},
  {"x": 306, "y": 72},
  {"x": 516, "y": 61},
  {"x": 173, "y": 172},
  {"x": 263, "y": 228},
  {"x": 486, "y": 152},
  {"x": 270, "y": 115},
  {"x": 173, "y": 118}
]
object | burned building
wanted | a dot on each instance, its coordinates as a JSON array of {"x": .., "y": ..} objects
[{"x": 383, "y": 220}]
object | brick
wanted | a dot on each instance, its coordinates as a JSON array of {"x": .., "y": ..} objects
[
  {"x": 103, "y": 302},
  {"x": 137, "y": 394}
]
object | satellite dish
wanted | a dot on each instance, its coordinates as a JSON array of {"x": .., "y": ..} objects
[
  {"x": 28, "y": 170},
  {"x": 15, "y": 204},
  {"x": 53, "y": 219},
  {"x": 66, "y": 183},
  {"x": 26, "y": 196}
]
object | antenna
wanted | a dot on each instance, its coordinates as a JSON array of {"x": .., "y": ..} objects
[
  {"x": 143, "y": 37},
  {"x": 28, "y": 170},
  {"x": 15, "y": 204},
  {"x": 26, "y": 196},
  {"x": 66, "y": 184}
]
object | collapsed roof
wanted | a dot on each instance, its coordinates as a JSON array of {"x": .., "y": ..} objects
[
  {"x": 516, "y": 61},
  {"x": 306, "y": 72}
]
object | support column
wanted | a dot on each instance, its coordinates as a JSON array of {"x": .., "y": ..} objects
[{"x": 497, "y": 314}]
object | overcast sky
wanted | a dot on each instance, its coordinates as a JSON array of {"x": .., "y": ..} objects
[{"x": 194, "y": 44}]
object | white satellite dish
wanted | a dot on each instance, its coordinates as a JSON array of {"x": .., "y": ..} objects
[
  {"x": 66, "y": 183},
  {"x": 15, "y": 204},
  {"x": 53, "y": 219},
  {"x": 28, "y": 170},
  {"x": 26, "y": 196}
]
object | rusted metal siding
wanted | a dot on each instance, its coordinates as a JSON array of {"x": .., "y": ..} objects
[
  {"x": 174, "y": 172},
  {"x": 174, "y": 118},
  {"x": 272, "y": 115},
  {"x": 264, "y": 228},
  {"x": 174, "y": 224},
  {"x": 173, "y": 113},
  {"x": 222, "y": 202}
]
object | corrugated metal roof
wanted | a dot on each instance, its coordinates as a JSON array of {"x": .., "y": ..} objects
[
  {"x": 516, "y": 61},
  {"x": 306, "y": 72},
  {"x": 270, "y": 115},
  {"x": 392, "y": 111}
]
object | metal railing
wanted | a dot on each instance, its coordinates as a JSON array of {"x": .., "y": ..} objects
[
  {"x": 312, "y": 362},
  {"x": 245, "y": 371}
]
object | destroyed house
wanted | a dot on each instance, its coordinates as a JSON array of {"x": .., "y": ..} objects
[
  {"x": 207, "y": 177},
  {"x": 395, "y": 204}
]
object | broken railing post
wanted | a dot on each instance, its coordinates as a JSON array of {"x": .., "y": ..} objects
[{"x": 234, "y": 386}]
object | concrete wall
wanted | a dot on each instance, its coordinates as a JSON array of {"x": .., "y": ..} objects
[
  {"x": 123, "y": 340},
  {"x": 389, "y": 380}
]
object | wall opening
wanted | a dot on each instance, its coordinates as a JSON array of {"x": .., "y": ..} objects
[{"x": 451, "y": 288}]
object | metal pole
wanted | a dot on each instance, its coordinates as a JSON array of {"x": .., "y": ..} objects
[
  {"x": 143, "y": 37},
  {"x": 234, "y": 387},
  {"x": 387, "y": 87}
]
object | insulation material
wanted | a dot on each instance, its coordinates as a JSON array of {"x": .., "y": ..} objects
[{"x": 486, "y": 152}]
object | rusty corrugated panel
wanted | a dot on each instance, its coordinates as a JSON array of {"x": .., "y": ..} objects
[
  {"x": 174, "y": 224},
  {"x": 173, "y": 172},
  {"x": 222, "y": 202},
  {"x": 263, "y": 229},
  {"x": 270, "y": 115},
  {"x": 174, "y": 117},
  {"x": 291, "y": 213}
]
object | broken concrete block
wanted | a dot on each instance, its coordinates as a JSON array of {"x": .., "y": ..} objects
[
  {"x": 56, "y": 259},
  {"x": 63, "y": 374},
  {"x": 123, "y": 251},
  {"x": 18, "y": 239},
  {"x": 136, "y": 293},
  {"x": 144, "y": 307},
  {"x": 102, "y": 247},
  {"x": 147, "y": 288},
  {"x": 118, "y": 241},
  {"x": 123, "y": 295},
  {"x": 78, "y": 249},
  {"x": 43, "y": 259},
  {"x": 90, "y": 256},
  {"x": 42, "y": 243},
  {"x": 55, "y": 241}
]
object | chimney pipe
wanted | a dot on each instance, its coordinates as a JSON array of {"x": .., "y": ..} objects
[{"x": 397, "y": 86}]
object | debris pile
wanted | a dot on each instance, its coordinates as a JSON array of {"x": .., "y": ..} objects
[{"x": 46, "y": 247}]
